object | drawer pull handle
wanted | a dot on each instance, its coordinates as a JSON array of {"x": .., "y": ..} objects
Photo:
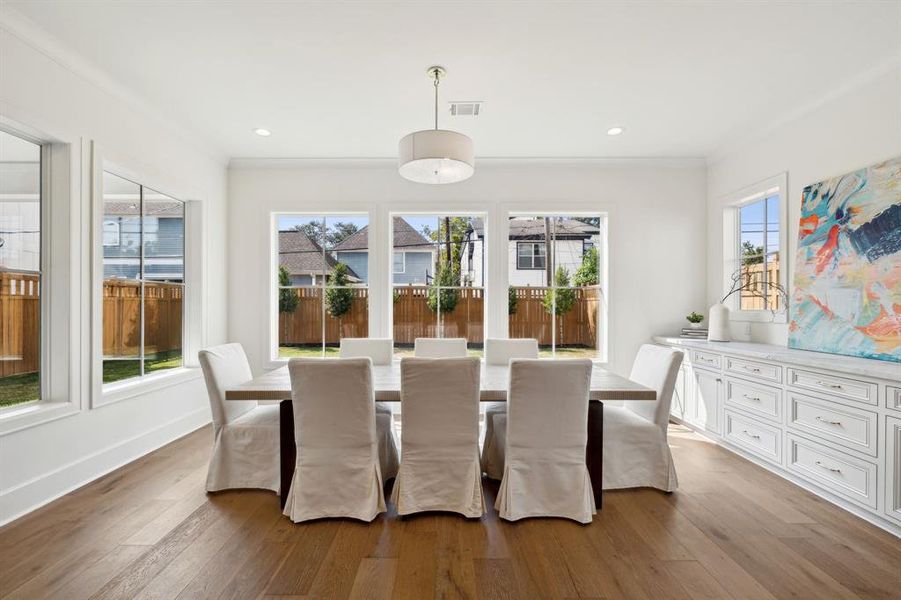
[
  {"x": 827, "y": 421},
  {"x": 753, "y": 398},
  {"x": 833, "y": 386},
  {"x": 750, "y": 435},
  {"x": 833, "y": 469},
  {"x": 751, "y": 369}
]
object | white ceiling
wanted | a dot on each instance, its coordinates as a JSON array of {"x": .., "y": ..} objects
[{"x": 347, "y": 79}]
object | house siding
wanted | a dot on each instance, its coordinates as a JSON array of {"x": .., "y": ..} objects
[
  {"x": 357, "y": 261},
  {"x": 418, "y": 266}
]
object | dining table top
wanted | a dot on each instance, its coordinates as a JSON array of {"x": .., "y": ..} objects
[{"x": 276, "y": 385}]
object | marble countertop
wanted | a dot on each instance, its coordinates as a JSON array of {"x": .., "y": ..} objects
[{"x": 817, "y": 360}]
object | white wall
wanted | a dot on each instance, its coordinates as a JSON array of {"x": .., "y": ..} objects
[
  {"x": 58, "y": 100},
  {"x": 656, "y": 217},
  {"x": 860, "y": 127}
]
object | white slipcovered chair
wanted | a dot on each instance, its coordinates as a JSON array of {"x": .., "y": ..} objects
[
  {"x": 245, "y": 434},
  {"x": 439, "y": 465},
  {"x": 636, "y": 452},
  {"x": 546, "y": 426},
  {"x": 499, "y": 352},
  {"x": 439, "y": 347},
  {"x": 338, "y": 471}
]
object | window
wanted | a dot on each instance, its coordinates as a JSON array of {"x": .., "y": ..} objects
[
  {"x": 20, "y": 270},
  {"x": 530, "y": 255},
  {"x": 143, "y": 280},
  {"x": 441, "y": 290},
  {"x": 400, "y": 263},
  {"x": 322, "y": 274},
  {"x": 758, "y": 252},
  {"x": 556, "y": 293}
]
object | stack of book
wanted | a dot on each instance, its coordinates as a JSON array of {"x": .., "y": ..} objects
[{"x": 699, "y": 334}]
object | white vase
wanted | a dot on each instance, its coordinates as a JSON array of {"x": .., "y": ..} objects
[{"x": 718, "y": 325}]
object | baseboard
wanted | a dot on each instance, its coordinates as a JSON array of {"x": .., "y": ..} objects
[
  {"x": 35, "y": 493},
  {"x": 869, "y": 517}
]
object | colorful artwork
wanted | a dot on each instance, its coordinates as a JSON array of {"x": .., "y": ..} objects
[{"x": 847, "y": 288}]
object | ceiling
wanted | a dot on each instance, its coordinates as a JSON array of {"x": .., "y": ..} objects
[{"x": 347, "y": 79}]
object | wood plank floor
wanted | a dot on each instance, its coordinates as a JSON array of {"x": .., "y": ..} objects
[{"x": 732, "y": 530}]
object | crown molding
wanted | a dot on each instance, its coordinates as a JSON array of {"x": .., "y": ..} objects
[
  {"x": 486, "y": 161},
  {"x": 18, "y": 25},
  {"x": 754, "y": 134}
]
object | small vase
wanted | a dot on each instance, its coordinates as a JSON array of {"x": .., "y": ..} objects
[
  {"x": 694, "y": 325},
  {"x": 718, "y": 326}
]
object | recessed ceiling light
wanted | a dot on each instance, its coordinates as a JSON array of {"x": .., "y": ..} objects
[
  {"x": 615, "y": 131},
  {"x": 262, "y": 132}
]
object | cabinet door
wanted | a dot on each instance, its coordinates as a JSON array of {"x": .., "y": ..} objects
[
  {"x": 893, "y": 468},
  {"x": 678, "y": 406},
  {"x": 707, "y": 397}
]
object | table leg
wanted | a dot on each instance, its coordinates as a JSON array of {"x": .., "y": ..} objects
[
  {"x": 287, "y": 447},
  {"x": 594, "y": 452}
]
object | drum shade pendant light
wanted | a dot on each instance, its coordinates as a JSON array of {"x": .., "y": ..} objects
[{"x": 436, "y": 155}]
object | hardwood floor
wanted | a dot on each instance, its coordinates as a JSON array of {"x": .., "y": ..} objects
[{"x": 732, "y": 530}]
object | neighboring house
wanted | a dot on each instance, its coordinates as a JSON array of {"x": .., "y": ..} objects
[
  {"x": 305, "y": 261},
  {"x": 527, "y": 250},
  {"x": 413, "y": 258},
  {"x": 164, "y": 241}
]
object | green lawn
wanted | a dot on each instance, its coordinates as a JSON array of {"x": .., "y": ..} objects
[
  {"x": 119, "y": 369},
  {"x": 17, "y": 389}
]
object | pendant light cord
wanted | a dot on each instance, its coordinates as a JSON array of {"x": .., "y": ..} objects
[{"x": 437, "y": 79}]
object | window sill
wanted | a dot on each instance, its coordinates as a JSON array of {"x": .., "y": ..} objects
[
  {"x": 115, "y": 392},
  {"x": 17, "y": 418}
]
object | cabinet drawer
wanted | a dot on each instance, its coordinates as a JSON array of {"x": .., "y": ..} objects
[
  {"x": 759, "y": 399},
  {"x": 893, "y": 398},
  {"x": 754, "y": 369},
  {"x": 757, "y": 438},
  {"x": 707, "y": 360},
  {"x": 844, "y": 425},
  {"x": 850, "y": 389},
  {"x": 841, "y": 474}
]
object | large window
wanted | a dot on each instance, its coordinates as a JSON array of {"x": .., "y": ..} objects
[
  {"x": 20, "y": 270},
  {"x": 143, "y": 240},
  {"x": 440, "y": 292},
  {"x": 323, "y": 282},
  {"x": 758, "y": 252},
  {"x": 555, "y": 293}
]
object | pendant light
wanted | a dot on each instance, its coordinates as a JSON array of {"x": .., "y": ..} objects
[{"x": 436, "y": 155}]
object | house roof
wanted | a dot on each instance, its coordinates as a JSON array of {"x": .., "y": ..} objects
[
  {"x": 172, "y": 208},
  {"x": 404, "y": 237},
  {"x": 533, "y": 229},
  {"x": 302, "y": 256}
]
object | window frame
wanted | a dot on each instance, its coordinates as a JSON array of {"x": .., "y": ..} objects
[
  {"x": 103, "y": 394},
  {"x": 531, "y": 256},
  {"x": 776, "y": 185}
]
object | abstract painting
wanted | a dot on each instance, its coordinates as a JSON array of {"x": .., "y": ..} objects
[{"x": 847, "y": 286}]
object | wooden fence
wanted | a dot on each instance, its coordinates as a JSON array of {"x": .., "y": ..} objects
[
  {"x": 20, "y": 334},
  {"x": 413, "y": 318}
]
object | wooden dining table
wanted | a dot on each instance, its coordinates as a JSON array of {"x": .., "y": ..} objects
[{"x": 605, "y": 385}]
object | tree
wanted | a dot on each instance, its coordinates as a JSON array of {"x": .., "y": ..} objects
[
  {"x": 587, "y": 273},
  {"x": 560, "y": 300},
  {"x": 287, "y": 298},
  {"x": 512, "y": 300},
  {"x": 338, "y": 297},
  {"x": 441, "y": 293},
  {"x": 751, "y": 254},
  {"x": 330, "y": 236}
]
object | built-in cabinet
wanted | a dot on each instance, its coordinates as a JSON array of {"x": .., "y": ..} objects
[{"x": 830, "y": 423}]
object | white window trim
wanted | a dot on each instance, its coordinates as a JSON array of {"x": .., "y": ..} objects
[
  {"x": 61, "y": 320},
  {"x": 496, "y": 275},
  {"x": 403, "y": 261},
  {"x": 105, "y": 394},
  {"x": 778, "y": 184}
]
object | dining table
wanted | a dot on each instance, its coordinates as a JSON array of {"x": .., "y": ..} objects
[{"x": 275, "y": 385}]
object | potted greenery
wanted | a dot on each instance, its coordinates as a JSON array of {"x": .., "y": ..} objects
[{"x": 695, "y": 320}]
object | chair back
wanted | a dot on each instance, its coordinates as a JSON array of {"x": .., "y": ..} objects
[
  {"x": 223, "y": 367},
  {"x": 500, "y": 351},
  {"x": 440, "y": 403},
  {"x": 547, "y": 407},
  {"x": 655, "y": 367},
  {"x": 377, "y": 349},
  {"x": 439, "y": 347},
  {"x": 334, "y": 407}
]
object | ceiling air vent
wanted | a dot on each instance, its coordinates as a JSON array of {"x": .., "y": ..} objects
[{"x": 470, "y": 108}]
